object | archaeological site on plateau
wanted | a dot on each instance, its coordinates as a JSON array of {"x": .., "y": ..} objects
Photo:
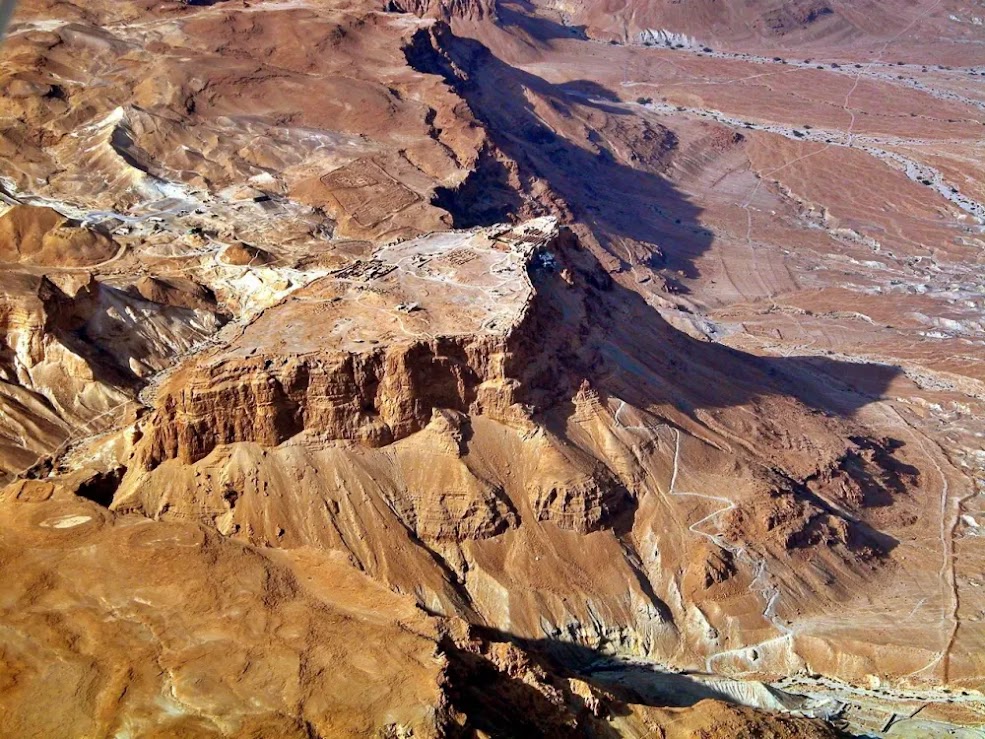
[{"x": 492, "y": 369}]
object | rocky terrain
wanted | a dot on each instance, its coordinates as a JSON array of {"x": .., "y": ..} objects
[{"x": 483, "y": 368}]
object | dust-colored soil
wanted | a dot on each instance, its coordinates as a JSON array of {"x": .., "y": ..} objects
[{"x": 488, "y": 368}]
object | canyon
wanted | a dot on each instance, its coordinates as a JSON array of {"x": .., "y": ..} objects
[{"x": 492, "y": 368}]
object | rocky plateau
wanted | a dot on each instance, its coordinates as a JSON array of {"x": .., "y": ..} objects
[{"x": 492, "y": 368}]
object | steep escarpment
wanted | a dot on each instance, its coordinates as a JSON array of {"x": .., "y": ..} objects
[
  {"x": 353, "y": 378},
  {"x": 502, "y": 688},
  {"x": 469, "y": 368},
  {"x": 374, "y": 398},
  {"x": 447, "y": 363},
  {"x": 284, "y": 644},
  {"x": 554, "y": 145},
  {"x": 562, "y": 423},
  {"x": 475, "y": 10}
]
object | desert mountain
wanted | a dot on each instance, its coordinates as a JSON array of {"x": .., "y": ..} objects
[{"x": 491, "y": 369}]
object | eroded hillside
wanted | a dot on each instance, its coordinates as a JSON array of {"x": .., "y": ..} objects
[{"x": 455, "y": 369}]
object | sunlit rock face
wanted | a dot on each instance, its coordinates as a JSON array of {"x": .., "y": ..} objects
[{"x": 491, "y": 369}]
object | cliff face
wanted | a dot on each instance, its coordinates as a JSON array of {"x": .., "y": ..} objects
[
  {"x": 461, "y": 415},
  {"x": 435, "y": 337},
  {"x": 375, "y": 398},
  {"x": 290, "y": 453},
  {"x": 472, "y": 10},
  {"x": 496, "y": 356}
]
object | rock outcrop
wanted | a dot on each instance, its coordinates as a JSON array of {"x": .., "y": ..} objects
[
  {"x": 512, "y": 363},
  {"x": 367, "y": 388},
  {"x": 473, "y": 10},
  {"x": 284, "y": 644},
  {"x": 472, "y": 369}
]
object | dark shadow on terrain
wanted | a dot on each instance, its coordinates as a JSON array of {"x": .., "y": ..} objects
[
  {"x": 523, "y": 14},
  {"x": 557, "y": 141},
  {"x": 646, "y": 360},
  {"x": 100, "y": 487},
  {"x": 861, "y": 537},
  {"x": 615, "y": 200},
  {"x": 894, "y": 477},
  {"x": 90, "y": 325},
  {"x": 485, "y": 197},
  {"x": 587, "y": 328},
  {"x": 501, "y": 704},
  {"x": 70, "y": 318}
]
